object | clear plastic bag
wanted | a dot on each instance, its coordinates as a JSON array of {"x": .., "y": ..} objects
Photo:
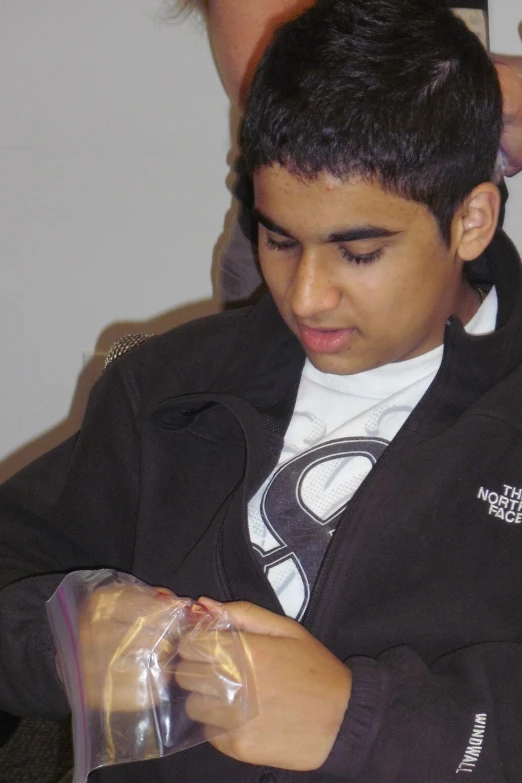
[{"x": 119, "y": 642}]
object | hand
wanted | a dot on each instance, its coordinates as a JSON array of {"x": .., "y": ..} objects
[
  {"x": 126, "y": 646},
  {"x": 302, "y": 692},
  {"x": 509, "y": 70}
]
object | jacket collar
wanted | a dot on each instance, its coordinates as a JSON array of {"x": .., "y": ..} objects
[
  {"x": 473, "y": 364},
  {"x": 266, "y": 361}
]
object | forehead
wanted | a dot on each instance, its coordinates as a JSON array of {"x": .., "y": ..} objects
[{"x": 325, "y": 203}]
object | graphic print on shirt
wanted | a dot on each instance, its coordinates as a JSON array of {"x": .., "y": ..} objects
[{"x": 300, "y": 509}]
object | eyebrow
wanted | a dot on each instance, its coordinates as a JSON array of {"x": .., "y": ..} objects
[
  {"x": 361, "y": 232},
  {"x": 270, "y": 224},
  {"x": 348, "y": 235}
]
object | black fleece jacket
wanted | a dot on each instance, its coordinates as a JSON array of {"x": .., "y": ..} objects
[{"x": 420, "y": 592}]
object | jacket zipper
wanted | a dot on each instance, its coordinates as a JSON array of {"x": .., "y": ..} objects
[
  {"x": 220, "y": 567},
  {"x": 227, "y": 589},
  {"x": 308, "y": 617}
]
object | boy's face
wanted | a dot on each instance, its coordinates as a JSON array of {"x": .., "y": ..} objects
[{"x": 362, "y": 277}]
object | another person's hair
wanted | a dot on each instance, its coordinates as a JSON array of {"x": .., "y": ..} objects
[
  {"x": 179, "y": 8},
  {"x": 399, "y": 92}
]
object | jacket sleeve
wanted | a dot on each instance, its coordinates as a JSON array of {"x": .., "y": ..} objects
[
  {"x": 407, "y": 722},
  {"x": 73, "y": 508}
]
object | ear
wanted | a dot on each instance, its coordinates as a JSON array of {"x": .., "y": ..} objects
[{"x": 476, "y": 221}]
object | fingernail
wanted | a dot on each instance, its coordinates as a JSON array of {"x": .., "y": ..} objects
[{"x": 210, "y": 601}]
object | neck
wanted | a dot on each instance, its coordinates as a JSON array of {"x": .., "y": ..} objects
[{"x": 469, "y": 300}]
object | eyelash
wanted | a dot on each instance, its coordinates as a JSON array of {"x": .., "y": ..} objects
[
  {"x": 282, "y": 246},
  {"x": 365, "y": 258}
]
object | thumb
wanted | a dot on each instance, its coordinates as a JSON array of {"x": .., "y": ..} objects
[{"x": 254, "y": 619}]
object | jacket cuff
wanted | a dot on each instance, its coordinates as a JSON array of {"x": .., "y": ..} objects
[
  {"x": 362, "y": 719},
  {"x": 29, "y": 682}
]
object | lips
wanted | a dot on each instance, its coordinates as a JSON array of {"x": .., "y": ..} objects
[{"x": 325, "y": 340}]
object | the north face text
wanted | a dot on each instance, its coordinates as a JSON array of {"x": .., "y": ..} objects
[{"x": 506, "y": 505}]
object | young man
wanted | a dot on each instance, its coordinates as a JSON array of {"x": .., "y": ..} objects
[
  {"x": 239, "y": 31},
  {"x": 339, "y": 464}
]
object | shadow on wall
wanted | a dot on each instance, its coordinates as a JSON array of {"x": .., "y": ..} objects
[
  {"x": 162, "y": 323},
  {"x": 91, "y": 371}
]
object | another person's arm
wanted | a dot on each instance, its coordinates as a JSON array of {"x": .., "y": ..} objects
[
  {"x": 509, "y": 71},
  {"x": 239, "y": 32}
]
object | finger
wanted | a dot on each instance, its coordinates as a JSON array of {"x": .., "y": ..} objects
[
  {"x": 195, "y": 677},
  {"x": 206, "y": 680},
  {"x": 132, "y": 598},
  {"x": 125, "y": 691},
  {"x": 154, "y": 612},
  {"x": 211, "y": 603},
  {"x": 208, "y": 647},
  {"x": 254, "y": 619},
  {"x": 211, "y": 712},
  {"x": 210, "y": 732},
  {"x": 163, "y": 592},
  {"x": 143, "y": 633}
]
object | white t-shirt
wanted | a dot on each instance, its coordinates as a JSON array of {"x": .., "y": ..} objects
[{"x": 340, "y": 426}]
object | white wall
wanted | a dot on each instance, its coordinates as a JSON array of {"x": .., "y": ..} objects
[{"x": 114, "y": 135}]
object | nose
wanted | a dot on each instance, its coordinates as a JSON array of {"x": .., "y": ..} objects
[{"x": 313, "y": 288}]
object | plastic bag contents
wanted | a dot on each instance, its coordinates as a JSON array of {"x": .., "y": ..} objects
[{"x": 119, "y": 642}]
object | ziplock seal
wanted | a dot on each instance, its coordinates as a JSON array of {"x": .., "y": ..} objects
[{"x": 73, "y": 680}]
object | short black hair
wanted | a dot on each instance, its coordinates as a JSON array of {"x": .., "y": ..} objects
[{"x": 394, "y": 91}]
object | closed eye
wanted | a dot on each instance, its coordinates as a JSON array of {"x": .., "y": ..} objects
[
  {"x": 361, "y": 258},
  {"x": 287, "y": 244},
  {"x": 354, "y": 258}
]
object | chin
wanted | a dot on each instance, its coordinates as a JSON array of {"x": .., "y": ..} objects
[{"x": 335, "y": 365}]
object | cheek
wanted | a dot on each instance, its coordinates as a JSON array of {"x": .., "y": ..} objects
[
  {"x": 402, "y": 280},
  {"x": 276, "y": 274},
  {"x": 267, "y": 269},
  {"x": 266, "y": 260},
  {"x": 391, "y": 300},
  {"x": 376, "y": 292}
]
